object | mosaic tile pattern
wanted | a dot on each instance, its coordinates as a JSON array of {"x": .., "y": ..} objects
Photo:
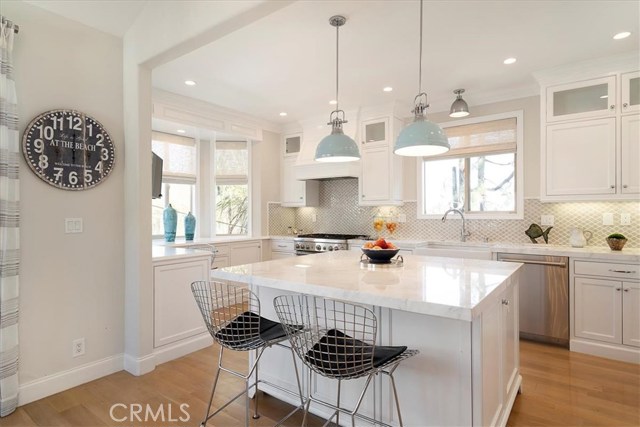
[{"x": 339, "y": 212}]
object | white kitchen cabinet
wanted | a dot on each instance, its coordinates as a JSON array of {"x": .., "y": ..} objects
[
  {"x": 606, "y": 309},
  {"x": 380, "y": 180},
  {"x": 581, "y": 100},
  {"x": 175, "y": 312},
  {"x": 629, "y": 154},
  {"x": 247, "y": 252},
  {"x": 630, "y": 92},
  {"x": 281, "y": 248},
  {"x": 296, "y": 193},
  {"x": 580, "y": 158}
]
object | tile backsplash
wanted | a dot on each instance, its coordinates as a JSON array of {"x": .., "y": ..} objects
[{"x": 339, "y": 212}]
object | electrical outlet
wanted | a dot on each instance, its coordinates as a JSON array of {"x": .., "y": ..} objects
[
  {"x": 314, "y": 218},
  {"x": 607, "y": 218},
  {"x": 77, "y": 348},
  {"x": 625, "y": 219},
  {"x": 547, "y": 219}
]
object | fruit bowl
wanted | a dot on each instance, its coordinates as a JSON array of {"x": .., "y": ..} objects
[{"x": 380, "y": 255}]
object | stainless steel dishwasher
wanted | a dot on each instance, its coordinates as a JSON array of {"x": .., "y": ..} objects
[{"x": 544, "y": 297}]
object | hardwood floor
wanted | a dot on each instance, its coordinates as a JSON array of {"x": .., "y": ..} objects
[{"x": 560, "y": 388}]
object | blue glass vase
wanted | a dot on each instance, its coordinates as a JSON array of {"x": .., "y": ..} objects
[
  {"x": 189, "y": 226},
  {"x": 170, "y": 219}
]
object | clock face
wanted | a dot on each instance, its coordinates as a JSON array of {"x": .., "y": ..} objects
[{"x": 68, "y": 149}]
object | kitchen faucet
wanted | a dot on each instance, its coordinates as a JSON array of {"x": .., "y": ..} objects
[{"x": 463, "y": 233}]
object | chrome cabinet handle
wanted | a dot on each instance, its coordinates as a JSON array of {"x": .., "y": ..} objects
[
  {"x": 528, "y": 261},
  {"x": 622, "y": 271},
  {"x": 282, "y": 246},
  {"x": 505, "y": 302}
]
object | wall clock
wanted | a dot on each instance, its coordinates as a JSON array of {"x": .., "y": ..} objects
[{"x": 68, "y": 149}]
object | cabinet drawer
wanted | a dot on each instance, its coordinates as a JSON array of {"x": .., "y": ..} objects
[
  {"x": 220, "y": 262},
  {"x": 221, "y": 250},
  {"x": 282, "y": 245},
  {"x": 622, "y": 271}
]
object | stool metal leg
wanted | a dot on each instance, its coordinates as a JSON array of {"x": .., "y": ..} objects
[
  {"x": 256, "y": 415},
  {"x": 355, "y": 410},
  {"x": 213, "y": 389},
  {"x": 338, "y": 403}
]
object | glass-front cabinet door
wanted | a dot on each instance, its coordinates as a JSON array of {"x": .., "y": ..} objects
[
  {"x": 579, "y": 100},
  {"x": 374, "y": 131},
  {"x": 630, "y": 92}
]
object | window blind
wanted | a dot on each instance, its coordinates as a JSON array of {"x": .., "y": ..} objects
[
  {"x": 231, "y": 162},
  {"x": 178, "y": 155}
]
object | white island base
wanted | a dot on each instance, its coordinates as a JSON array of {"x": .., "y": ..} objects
[{"x": 467, "y": 372}]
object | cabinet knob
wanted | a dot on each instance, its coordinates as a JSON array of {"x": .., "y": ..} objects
[
  {"x": 363, "y": 196},
  {"x": 505, "y": 302},
  {"x": 625, "y": 105},
  {"x": 300, "y": 197},
  {"x": 612, "y": 107},
  {"x": 618, "y": 289},
  {"x": 612, "y": 186},
  {"x": 625, "y": 186},
  {"x": 626, "y": 290}
]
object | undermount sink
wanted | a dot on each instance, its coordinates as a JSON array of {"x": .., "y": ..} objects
[{"x": 454, "y": 251}]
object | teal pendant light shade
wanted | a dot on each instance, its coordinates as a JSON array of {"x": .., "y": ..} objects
[
  {"x": 337, "y": 147},
  {"x": 422, "y": 137},
  {"x": 459, "y": 108}
]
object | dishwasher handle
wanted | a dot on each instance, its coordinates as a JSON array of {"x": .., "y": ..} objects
[{"x": 529, "y": 261}]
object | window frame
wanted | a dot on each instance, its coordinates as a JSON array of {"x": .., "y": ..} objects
[
  {"x": 519, "y": 172},
  {"x": 231, "y": 180}
]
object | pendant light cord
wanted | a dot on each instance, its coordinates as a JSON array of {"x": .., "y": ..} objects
[
  {"x": 420, "y": 66},
  {"x": 337, "y": 61}
]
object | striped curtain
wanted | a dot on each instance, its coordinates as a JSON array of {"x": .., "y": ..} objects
[{"x": 9, "y": 225}]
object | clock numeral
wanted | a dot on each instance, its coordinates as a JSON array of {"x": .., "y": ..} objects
[
  {"x": 90, "y": 127},
  {"x": 43, "y": 161},
  {"x": 38, "y": 145},
  {"x": 75, "y": 123},
  {"x": 98, "y": 168},
  {"x": 58, "y": 123},
  {"x": 58, "y": 173},
  {"x": 87, "y": 176},
  {"x": 100, "y": 140},
  {"x": 104, "y": 154},
  {"x": 73, "y": 177},
  {"x": 46, "y": 132}
]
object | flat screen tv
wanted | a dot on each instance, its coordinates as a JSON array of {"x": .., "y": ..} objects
[{"x": 156, "y": 176}]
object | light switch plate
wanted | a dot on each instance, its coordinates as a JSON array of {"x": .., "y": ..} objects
[
  {"x": 625, "y": 219},
  {"x": 547, "y": 220},
  {"x": 607, "y": 218},
  {"x": 314, "y": 217},
  {"x": 73, "y": 225}
]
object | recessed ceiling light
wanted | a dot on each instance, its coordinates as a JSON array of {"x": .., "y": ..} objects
[
  {"x": 333, "y": 102},
  {"x": 283, "y": 114},
  {"x": 387, "y": 89},
  {"x": 510, "y": 61},
  {"x": 622, "y": 35},
  {"x": 604, "y": 96},
  {"x": 181, "y": 131},
  {"x": 189, "y": 82}
]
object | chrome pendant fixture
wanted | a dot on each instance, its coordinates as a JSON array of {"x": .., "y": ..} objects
[
  {"x": 337, "y": 147},
  {"x": 459, "y": 108},
  {"x": 422, "y": 137}
]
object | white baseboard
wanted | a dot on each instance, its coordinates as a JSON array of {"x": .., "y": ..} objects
[
  {"x": 609, "y": 351},
  {"x": 173, "y": 351},
  {"x": 60, "y": 381},
  {"x": 139, "y": 365}
]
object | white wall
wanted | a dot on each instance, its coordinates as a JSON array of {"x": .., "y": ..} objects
[
  {"x": 71, "y": 285},
  {"x": 266, "y": 173}
]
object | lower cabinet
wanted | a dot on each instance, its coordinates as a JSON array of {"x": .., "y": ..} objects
[
  {"x": 245, "y": 252},
  {"x": 175, "y": 313},
  {"x": 606, "y": 310},
  {"x": 282, "y": 248}
]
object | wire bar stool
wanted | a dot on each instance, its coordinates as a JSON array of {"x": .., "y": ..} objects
[
  {"x": 232, "y": 316},
  {"x": 338, "y": 341}
]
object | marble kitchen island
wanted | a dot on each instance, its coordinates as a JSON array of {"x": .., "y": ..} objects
[{"x": 461, "y": 314}]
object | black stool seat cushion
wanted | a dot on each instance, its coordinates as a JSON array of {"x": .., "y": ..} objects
[
  {"x": 249, "y": 330},
  {"x": 340, "y": 356}
]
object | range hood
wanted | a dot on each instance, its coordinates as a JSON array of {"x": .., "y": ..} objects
[{"x": 321, "y": 170}]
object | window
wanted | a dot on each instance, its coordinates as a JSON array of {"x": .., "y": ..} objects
[
  {"x": 481, "y": 174},
  {"x": 178, "y": 179},
  {"x": 231, "y": 183}
]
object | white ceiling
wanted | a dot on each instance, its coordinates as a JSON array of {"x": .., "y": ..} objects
[
  {"x": 111, "y": 16},
  {"x": 286, "y": 61}
]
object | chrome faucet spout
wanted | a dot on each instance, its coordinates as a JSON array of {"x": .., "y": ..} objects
[{"x": 463, "y": 233}]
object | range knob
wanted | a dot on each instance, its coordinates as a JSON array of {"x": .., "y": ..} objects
[
  {"x": 324, "y": 248},
  {"x": 297, "y": 245},
  {"x": 330, "y": 248},
  {"x": 318, "y": 247},
  {"x": 307, "y": 247},
  {"x": 336, "y": 248}
]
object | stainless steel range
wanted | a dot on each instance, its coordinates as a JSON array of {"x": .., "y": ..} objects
[{"x": 307, "y": 244}]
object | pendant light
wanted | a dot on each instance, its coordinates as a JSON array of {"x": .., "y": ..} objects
[
  {"x": 459, "y": 108},
  {"x": 337, "y": 147},
  {"x": 422, "y": 137}
]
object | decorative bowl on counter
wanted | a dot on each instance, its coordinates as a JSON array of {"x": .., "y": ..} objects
[
  {"x": 380, "y": 255},
  {"x": 616, "y": 241}
]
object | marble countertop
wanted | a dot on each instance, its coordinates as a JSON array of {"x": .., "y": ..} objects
[
  {"x": 181, "y": 242},
  {"x": 444, "y": 287},
  {"x": 163, "y": 253}
]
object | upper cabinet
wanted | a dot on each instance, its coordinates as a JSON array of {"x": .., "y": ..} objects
[
  {"x": 295, "y": 193},
  {"x": 590, "y": 137},
  {"x": 380, "y": 180},
  {"x": 581, "y": 100}
]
